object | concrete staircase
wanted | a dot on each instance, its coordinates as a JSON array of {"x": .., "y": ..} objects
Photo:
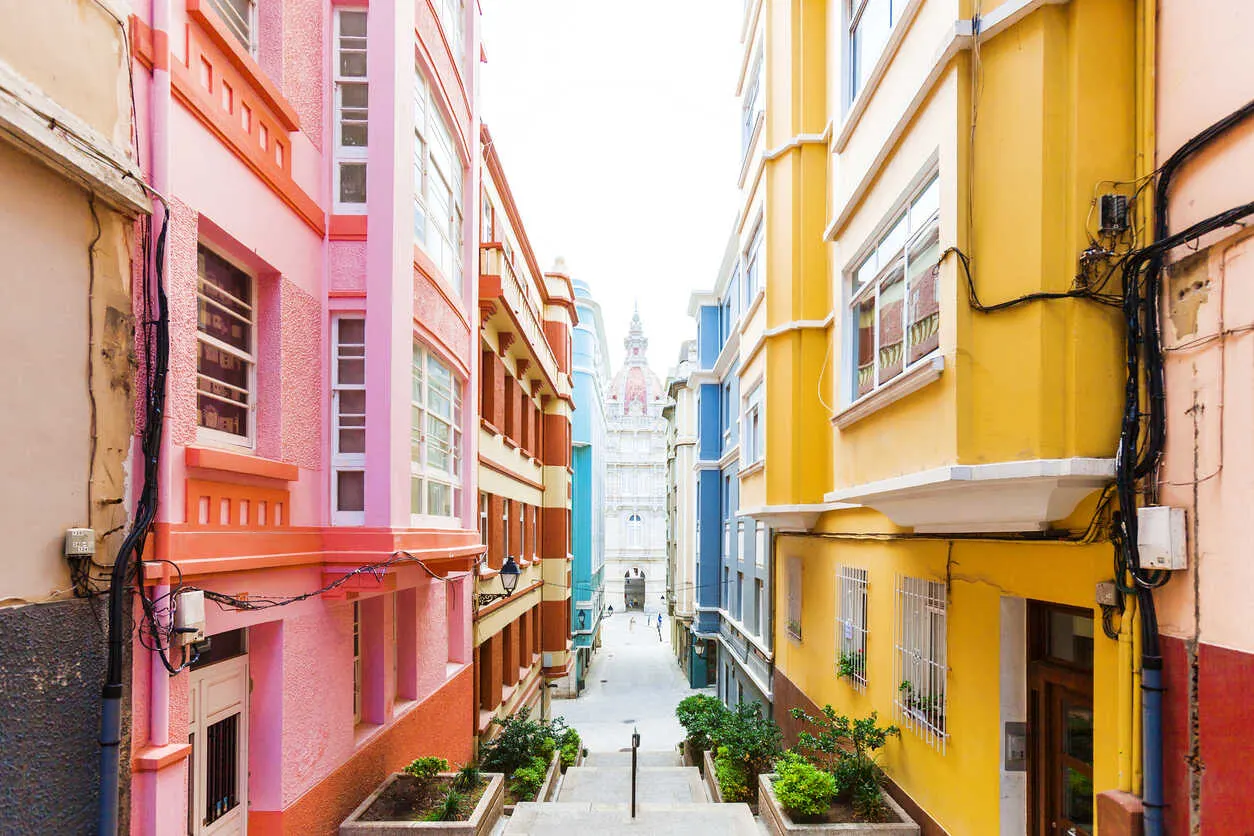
[{"x": 670, "y": 799}]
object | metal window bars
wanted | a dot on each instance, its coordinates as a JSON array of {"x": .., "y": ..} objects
[
  {"x": 852, "y": 626},
  {"x": 920, "y": 664}
]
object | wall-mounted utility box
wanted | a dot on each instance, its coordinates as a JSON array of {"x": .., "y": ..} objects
[
  {"x": 189, "y": 616},
  {"x": 1161, "y": 538}
]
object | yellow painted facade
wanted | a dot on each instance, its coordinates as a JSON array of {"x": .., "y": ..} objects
[{"x": 1019, "y": 125}]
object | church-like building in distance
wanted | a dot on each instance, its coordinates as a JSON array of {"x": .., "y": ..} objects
[{"x": 635, "y": 487}]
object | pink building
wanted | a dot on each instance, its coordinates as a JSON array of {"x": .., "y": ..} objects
[
  {"x": 319, "y": 160},
  {"x": 1203, "y": 76}
]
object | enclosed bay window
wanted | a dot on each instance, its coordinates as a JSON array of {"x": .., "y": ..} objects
[
  {"x": 894, "y": 307},
  {"x": 452, "y": 15},
  {"x": 240, "y": 17},
  {"x": 437, "y": 185},
  {"x": 871, "y": 23},
  {"x": 435, "y": 437},
  {"x": 352, "y": 110},
  {"x": 752, "y": 266},
  {"x": 225, "y": 350},
  {"x": 754, "y": 101},
  {"x": 348, "y": 412}
]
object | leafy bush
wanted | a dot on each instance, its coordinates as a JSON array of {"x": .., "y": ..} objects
[
  {"x": 733, "y": 778},
  {"x": 846, "y": 749},
  {"x": 802, "y": 788},
  {"x": 424, "y": 769},
  {"x": 520, "y": 740},
  {"x": 547, "y": 747},
  {"x": 701, "y": 715},
  {"x": 852, "y": 665},
  {"x": 570, "y": 747},
  {"x": 750, "y": 738},
  {"x": 526, "y": 780},
  {"x": 449, "y": 808},
  {"x": 468, "y": 777}
]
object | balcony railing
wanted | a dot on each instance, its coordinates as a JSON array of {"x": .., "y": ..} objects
[{"x": 508, "y": 289}]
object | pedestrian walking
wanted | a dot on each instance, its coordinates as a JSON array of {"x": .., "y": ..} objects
[{"x": 631, "y": 625}]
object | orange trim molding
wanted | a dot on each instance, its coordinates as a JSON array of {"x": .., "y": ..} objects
[
  {"x": 157, "y": 758},
  {"x": 347, "y": 228},
  {"x": 241, "y": 463}
]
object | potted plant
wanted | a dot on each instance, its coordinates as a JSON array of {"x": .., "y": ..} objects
[
  {"x": 700, "y": 715},
  {"x": 833, "y": 781},
  {"x": 427, "y": 797}
]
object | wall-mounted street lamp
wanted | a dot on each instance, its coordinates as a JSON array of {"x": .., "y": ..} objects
[
  {"x": 509, "y": 582},
  {"x": 699, "y": 648},
  {"x": 583, "y": 619}
]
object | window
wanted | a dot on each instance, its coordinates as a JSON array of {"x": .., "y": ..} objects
[
  {"x": 535, "y": 531},
  {"x": 437, "y": 186},
  {"x": 740, "y": 597},
  {"x": 920, "y": 659},
  {"x": 352, "y": 110},
  {"x": 851, "y": 624},
  {"x": 357, "y": 670},
  {"x": 240, "y": 17},
  {"x": 753, "y": 441},
  {"x": 726, "y": 588},
  {"x": 348, "y": 409},
  {"x": 224, "y": 361},
  {"x": 870, "y": 24},
  {"x": 741, "y": 541},
  {"x": 753, "y": 265},
  {"x": 483, "y": 518},
  {"x": 754, "y": 102},
  {"x": 505, "y": 528},
  {"x": 757, "y": 607},
  {"x": 894, "y": 306},
  {"x": 635, "y": 531},
  {"x": 793, "y": 625},
  {"x": 759, "y": 553},
  {"x": 452, "y": 15},
  {"x": 435, "y": 437}
]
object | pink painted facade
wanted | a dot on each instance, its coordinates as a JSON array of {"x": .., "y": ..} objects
[
  {"x": 284, "y": 141},
  {"x": 1208, "y": 310}
]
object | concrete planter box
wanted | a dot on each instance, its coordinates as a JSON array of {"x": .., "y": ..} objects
[
  {"x": 711, "y": 780},
  {"x": 692, "y": 756},
  {"x": 777, "y": 821},
  {"x": 549, "y": 788},
  {"x": 485, "y": 816}
]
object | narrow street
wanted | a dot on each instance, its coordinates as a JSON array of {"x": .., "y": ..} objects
[{"x": 633, "y": 683}]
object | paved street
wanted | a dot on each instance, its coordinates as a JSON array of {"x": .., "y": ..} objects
[{"x": 634, "y": 682}]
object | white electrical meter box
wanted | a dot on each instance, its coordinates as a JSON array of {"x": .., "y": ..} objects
[
  {"x": 1161, "y": 538},
  {"x": 189, "y": 617}
]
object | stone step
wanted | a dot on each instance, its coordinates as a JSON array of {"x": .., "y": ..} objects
[
  {"x": 643, "y": 758},
  {"x": 612, "y": 785},
  {"x": 613, "y": 820}
]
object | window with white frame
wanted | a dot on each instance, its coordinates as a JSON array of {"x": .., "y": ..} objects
[
  {"x": 452, "y": 14},
  {"x": 871, "y": 23},
  {"x": 851, "y": 625},
  {"x": 437, "y": 185},
  {"x": 920, "y": 658},
  {"x": 505, "y": 528},
  {"x": 757, "y": 607},
  {"x": 225, "y": 349},
  {"x": 754, "y": 101},
  {"x": 894, "y": 306},
  {"x": 348, "y": 411},
  {"x": 352, "y": 110},
  {"x": 240, "y": 17},
  {"x": 742, "y": 539},
  {"x": 436, "y": 437},
  {"x": 759, "y": 553},
  {"x": 483, "y": 518},
  {"x": 635, "y": 531},
  {"x": 740, "y": 597},
  {"x": 752, "y": 270},
  {"x": 753, "y": 431},
  {"x": 793, "y": 622}
]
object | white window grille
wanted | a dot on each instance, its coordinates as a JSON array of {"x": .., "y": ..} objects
[
  {"x": 752, "y": 270},
  {"x": 852, "y": 626},
  {"x": 348, "y": 409},
  {"x": 352, "y": 110},
  {"x": 793, "y": 622},
  {"x": 920, "y": 659},
  {"x": 435, "y": 437},
  {"x": 437, "y": 185},
  {"x": 871, "y": 23},
  {"x": 894, "y": 309},
  {"x": 225, "y": 378},
  {"x": 240, "y": 17}
]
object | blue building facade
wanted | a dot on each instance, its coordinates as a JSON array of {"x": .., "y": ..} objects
[
  {"x": 731, "y": 641},
  {"x": 588, "y": 439}
]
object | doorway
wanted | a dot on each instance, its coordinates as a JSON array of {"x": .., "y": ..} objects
[
  {"x": 217, "y": 779},
  {"x": 633, "y": 589},
  {"x": 1060, "y": 721}
]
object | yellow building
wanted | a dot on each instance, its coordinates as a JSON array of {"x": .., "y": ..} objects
[{"x": 934, "y": 469}]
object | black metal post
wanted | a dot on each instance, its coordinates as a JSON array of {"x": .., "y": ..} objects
[{"x": 635, "y": 745}]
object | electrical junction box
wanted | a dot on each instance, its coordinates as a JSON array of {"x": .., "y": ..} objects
[
  {"x": 80, "y": 542},
  {"x": 189, "y": 617},
  {"x": 1161, "y": 538}
]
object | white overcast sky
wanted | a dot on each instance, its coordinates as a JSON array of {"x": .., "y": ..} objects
[{"x": 618, "y": 127}]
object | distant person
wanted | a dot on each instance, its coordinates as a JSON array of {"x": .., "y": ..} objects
[{"x": 631, "y": 625}]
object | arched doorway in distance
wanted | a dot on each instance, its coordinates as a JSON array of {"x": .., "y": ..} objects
[{"x": 633, "y": 589}]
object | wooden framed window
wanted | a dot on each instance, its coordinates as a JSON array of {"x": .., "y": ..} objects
[
  {"x": 348, "y": 414},
  {"x": 226, "y": 350},
  {"x": 352, "y": 110},
  {"x": 894, "y": 307},
  {"x": 435, "y": 437}
]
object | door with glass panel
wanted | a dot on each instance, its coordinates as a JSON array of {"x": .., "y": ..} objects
[
  {"x": 218, "y": 733},
  {"x": 1060, "y": 721}
]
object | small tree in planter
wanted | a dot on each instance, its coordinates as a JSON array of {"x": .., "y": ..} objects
[
  {"x": 847, "y": 750},
  {"x": 749, "y": 740},
  {"x": 524, "y": 750},
  {"x": 701, "y": 715}
]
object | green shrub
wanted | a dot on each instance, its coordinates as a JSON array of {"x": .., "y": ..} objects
[
  {"x": 526, "y": 780},
  {"x": 519, "y": 741},
  {"x": 570, "y": 753},
  {"x": 733, "y": 778},
  {"x": 868, "y": 802},
  {"x": 449, "y": 808},
  {"x": 468, "y": 777},
  {"x": 802, "y": 788},
  {"x": 846, "y": 749},
  {"x": 751, "y": 739},
  {"x": 424, "y": 769},
  {"x": 701, "y": 715},
  {"x": 547, "y": 747}
]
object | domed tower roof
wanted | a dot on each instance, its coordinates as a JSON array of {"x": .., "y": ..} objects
[{"x": 636, "y": 389}]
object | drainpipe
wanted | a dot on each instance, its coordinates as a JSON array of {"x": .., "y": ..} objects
[{"x": 1152, "y": 711}]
